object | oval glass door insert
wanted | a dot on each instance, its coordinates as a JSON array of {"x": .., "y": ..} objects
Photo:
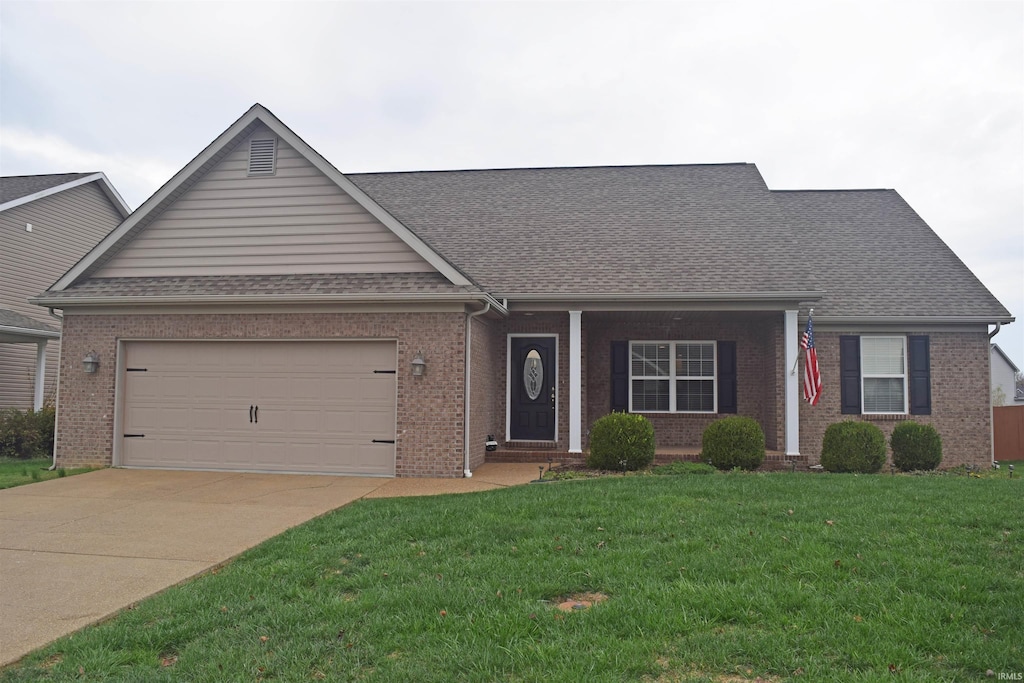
[{"x": 533, "y": 374}]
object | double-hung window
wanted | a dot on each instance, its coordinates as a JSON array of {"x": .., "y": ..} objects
[
  {"x": 884, "y": 374},
  {"x": 673, "y": 376}
]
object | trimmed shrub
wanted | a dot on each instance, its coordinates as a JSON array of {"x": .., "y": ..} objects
[
  {"x": 853, "y": 446},
  {"x": 622, "y": 442},
  {"x": 915, "y": 446},
  {"x": 734, "y": 441}
]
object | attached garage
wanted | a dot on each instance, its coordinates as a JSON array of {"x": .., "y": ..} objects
[{"x": 266, "y": 406}]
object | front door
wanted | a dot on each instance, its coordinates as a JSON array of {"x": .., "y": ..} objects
[{"x": 532, "y": 389}]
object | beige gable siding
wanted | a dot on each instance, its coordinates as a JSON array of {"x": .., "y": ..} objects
[
  {"x": 65, "y": 226},
  {"x": 294, "y": 222}
]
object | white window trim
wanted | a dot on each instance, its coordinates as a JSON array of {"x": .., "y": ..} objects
[
  {"x": 905, "y": 376},
  {"x": 672, "y": 377}
]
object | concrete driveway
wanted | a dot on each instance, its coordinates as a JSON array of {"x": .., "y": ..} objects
[{"x": 75, "y": 550}]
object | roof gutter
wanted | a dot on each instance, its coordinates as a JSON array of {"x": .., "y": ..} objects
[
  {"x": 398, "y": 297},
  {"x": 465, "y": 418},
  {"x": 28, "y": 332},
  {"x": 994, "y": 332},
  {"x": 913, "y": 319},
  {"x": 666, "y": 296}
]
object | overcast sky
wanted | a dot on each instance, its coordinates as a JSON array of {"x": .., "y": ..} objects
[{"x": 923, "y": 97}]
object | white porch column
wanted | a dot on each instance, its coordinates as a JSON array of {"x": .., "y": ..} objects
[
  {"x": 37, "y": 402},
  {"x": 792, "y": 380},
  {"x": 575, "y": 382}
]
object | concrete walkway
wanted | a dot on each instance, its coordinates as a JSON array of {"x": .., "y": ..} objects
[{"x": 75, "y": 550}]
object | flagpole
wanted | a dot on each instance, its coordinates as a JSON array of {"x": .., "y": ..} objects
[{"x": 796, "y": 361}]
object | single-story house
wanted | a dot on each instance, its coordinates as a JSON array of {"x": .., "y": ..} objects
[
  {"x": 264, "y": 311},
  {"x": 47, "y": 223}
]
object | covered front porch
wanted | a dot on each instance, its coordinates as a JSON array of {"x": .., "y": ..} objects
[{"x": 682, "y": 369}]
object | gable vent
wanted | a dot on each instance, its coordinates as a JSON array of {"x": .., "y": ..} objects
[{"x": 262, "y": 156}]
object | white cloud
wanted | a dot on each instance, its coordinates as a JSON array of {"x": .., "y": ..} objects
[
  {"x": 923, "y": 97},
  {"x": 29, "y": 152}
]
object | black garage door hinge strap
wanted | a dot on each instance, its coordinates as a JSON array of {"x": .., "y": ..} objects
[
  {"x": 385, "y": 372},
  {"x": 136, "y": 369},
  {"x": 383, "y": 441},
  {"x": 134, "y": 436}
]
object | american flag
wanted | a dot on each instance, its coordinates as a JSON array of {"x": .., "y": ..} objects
[{"x": 812, "y": 378}]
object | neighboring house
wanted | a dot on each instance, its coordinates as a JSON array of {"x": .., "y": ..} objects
[
  {"x": 47, "y": 223},
  {"x": 1004, "y": 378},
  {"x": 264, "y": 311}
]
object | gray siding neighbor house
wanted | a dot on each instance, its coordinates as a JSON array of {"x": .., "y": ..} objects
[
  {"x": 263, "y": 311},
  {"x": 47, "y": 223},
  {"x": 1004, "y": 379}
]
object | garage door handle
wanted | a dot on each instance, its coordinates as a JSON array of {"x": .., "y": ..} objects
[
  {"x": 383, "y": 441},
  {"x": 250, "y": 414},
  {"x": 257, "y": 420}
]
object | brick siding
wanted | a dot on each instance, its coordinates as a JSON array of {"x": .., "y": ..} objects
[
  {"x": 430, "y": 436},
  {"x": 757, "y": 338},
  {"x": 960, "y": 398}
]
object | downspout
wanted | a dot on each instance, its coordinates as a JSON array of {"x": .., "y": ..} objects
[
  {"x": 991, "y": 413},
  {"x": 469, "y": 350},
  {"x": 56, "y": 400}
]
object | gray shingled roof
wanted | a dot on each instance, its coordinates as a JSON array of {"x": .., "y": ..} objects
[
  {"x": 9, "y": 318},
  {"x": 706, "y": 228},
  {"x": 875, "y": 256},
  {"x": 635, "y": 229},
  {"x": 643, "y": 231},
  {"x": 17, "y": 186},
  {"x": 271, "y": 285}
]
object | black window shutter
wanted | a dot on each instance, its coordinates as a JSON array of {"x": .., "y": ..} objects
[
  {"x": 620, "y": 376},
  {"x": 849, "y": 374},
  {"x": 726, "y": 377},
  {"x": 920, "y": 375}
]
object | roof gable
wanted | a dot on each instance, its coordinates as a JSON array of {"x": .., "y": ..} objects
[
  {"x": 288, "y": 221},
  {"x": 209, "y": 158},
  {"x": 20, "y": 190}
]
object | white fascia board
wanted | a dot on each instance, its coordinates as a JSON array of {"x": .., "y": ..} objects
[
  {"x": 259, "y": 112},
  {"x": 762, "y": 301},
  {"x": 27, "y": 333},
  {"x": 904, "y": 320},
  {"x": 150, "y": 204},
  {"x": 376, "y": 210},
  {"x": 668, "y": 296},
  {"x": 105, "y": 186},
  {"x": 995, "y": 347},
  {"x": 458, "y": 297}
]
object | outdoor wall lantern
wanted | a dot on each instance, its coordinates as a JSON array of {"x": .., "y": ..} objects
[
  {"x": 91, "y": 362},
  {"x": 418, "y": 365}
]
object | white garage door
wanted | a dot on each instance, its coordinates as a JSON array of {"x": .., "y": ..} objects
[{"x": 325, "y": 407}]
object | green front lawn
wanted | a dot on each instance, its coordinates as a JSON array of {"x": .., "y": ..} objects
[
  {"x": 16, "y": 472},
  {"x": 724, "y": 577}
]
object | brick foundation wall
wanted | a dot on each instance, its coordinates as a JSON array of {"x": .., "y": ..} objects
[
  {"x": 758, "y": 372},
  {"x": 430, "y": 435},
  {"x": 960, "y": 398}
]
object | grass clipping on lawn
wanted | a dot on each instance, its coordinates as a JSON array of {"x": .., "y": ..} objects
[{"x": 727, "y": 577}]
